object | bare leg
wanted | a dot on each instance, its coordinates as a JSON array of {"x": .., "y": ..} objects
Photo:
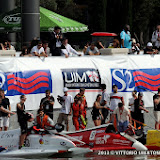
[
  {"x": 67, "y": 127},
  {"x": 22, "y": 138},
  {"x": 0, "y": 128}
]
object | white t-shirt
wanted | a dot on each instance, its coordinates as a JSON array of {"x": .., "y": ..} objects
[
  {"x": 105, "y": 97},
  {"x": 69, "y": 51},
  {"x": 35, "y": 49},
  {"x": 115, "y": 98},
  {"x": 123, "y": 115},
  {"x": 66, "y": 105},
  {"x": 131, "y": 101}
]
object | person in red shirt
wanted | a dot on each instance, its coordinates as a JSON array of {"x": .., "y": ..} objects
[
  {"x": 76, "y": 112},
  {"x": 84, "y": 102},
  {"x": 43, "y": 120}
]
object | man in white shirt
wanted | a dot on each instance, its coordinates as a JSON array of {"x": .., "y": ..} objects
[
  {"x": 115, "y": 98},
  {"x": 156, "y": 38},
  {"x": 38, "y": 50},
  {"x": 67, "y": 50},
  {"x": 66, "y": 102},
  {"x": 104, "y": 102},
  {"x": 123, "y": 116}
]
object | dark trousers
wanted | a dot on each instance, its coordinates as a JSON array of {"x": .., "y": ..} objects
[
  {"x": 56, "y": 51},
  {"x": 105, "y": 114}
]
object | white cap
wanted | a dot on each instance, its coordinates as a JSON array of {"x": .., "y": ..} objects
[
  {"x": 65, "y": 89},
  {"x": 149, "y": 44},
  {"x": 133, "y": 40}
]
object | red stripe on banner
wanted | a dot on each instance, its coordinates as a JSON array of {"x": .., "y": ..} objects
[
  {"x": 27, "y": 85},
  {"x": 137, "y": 78},
  {"x": 147, "y": 86},
  {"x": 87, "y": 90},
  {"x": 116, "y": 97},
  {"x": 139, "y": 73},
  {"x": 27, "y": 79},
  {"x": 28, "y": 91}
]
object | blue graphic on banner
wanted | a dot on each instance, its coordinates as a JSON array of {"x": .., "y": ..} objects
[
  {"x": 27, "y": 82},
  {"x": 140, "y": 79},
  {"x": 88, "y": 78}
]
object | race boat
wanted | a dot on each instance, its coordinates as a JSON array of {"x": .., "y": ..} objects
[
  {"x": 43, "y": 144},
  {"x": 103, "y": 137}
]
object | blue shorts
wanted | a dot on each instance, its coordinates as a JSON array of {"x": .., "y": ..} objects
[{"x": 122, "y": 126}]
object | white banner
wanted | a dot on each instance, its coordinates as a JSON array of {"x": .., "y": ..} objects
[{"x": 32, "y": 76}]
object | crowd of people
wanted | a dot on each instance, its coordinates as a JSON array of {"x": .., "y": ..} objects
[
  {"x": 107, "y": 108},
  {"x": 58, "y": 45}
]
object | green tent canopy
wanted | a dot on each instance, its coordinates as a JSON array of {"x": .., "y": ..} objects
[{"x": 11, "y": 22}]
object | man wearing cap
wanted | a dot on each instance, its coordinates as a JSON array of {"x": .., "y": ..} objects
[
  {"x": 149, "y": 49},
  {"x": 104, "y": 102},
  {"x": 139, "y": 109},
  {"x": 66, "y": 102},
  {"x": 47, "y": 104}
]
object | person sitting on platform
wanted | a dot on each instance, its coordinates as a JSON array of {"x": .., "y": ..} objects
[
  {"x": 43, "y": 121},
  {"x": 38, "y": 50},
  {"x": 123, "y": 115},
  {"x": 92, "y": 50}
]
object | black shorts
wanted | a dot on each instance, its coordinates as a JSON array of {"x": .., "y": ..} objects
[{"x": 23, "y": 126}]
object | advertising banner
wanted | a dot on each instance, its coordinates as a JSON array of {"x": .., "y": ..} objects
[{"x": 33, "y": 76}]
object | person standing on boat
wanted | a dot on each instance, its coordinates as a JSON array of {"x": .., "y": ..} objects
[
  {"x": 131, "y": 103},
  {"x": 2, "y": 111},
  {"x": 97, "y": 115},
  {"x": 76, "y": 110},
  {"x": 47, "y": 104},
  {"x": 67, "y": 101},
  {"x": 83, "y": 105},
  {"x": 139, "y": 109},
  {"x": 123, "y": 115},
  {"x": 115, "y": 98},
  {"x": 156, "y": 101},
  {"x": 22, "y": 120},
  {"x": 5, "y": 116},
  {"x": 104, "y": 102}
]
